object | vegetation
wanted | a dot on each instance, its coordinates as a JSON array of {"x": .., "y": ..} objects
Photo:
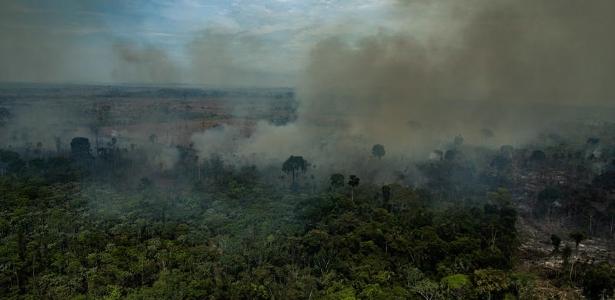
[
  {"x": 62, "y": 239},
  {"x": 294, "y": 166},
  {"x": 378, "y": 151},
  {"x": 118, "y": 223}
]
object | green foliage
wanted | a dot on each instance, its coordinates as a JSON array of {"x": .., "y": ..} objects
[
  {"x": 491, "y": 282},
  {"x": 524, "y": 284},
  {"x": 457, "y": 281},
  {"x": 337, "y": 180},
  {"x": 427, "y": 289},
  {"x": 599, "y": 282},
  {"x": 353, "y": 181},
  {"x": 234, "y": 237},
  {"x": 340, "y": 292},
  {"x": 293, "y": 166}
]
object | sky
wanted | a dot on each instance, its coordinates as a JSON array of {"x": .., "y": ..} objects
[{"x": 204, "y": 42}]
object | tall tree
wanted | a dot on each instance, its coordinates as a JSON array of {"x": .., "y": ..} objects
[
  {"x": 80, "y": 148},
  {"x": 293, "y": 166},
  {"x": 566, "y": 253},
  {"x": 556, "y": 241},
  {"x": 337, "y": 180},
  {"x": 378, "y": 151},
  {"x": 353, "y": 182},
  {"x": 103, "y": 114},
  {"x": 386, "y": 196},
  {"x": 578, "y": 237}
]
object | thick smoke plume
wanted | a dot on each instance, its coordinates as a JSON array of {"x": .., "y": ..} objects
[
  {"x": 492, "y": 71},
  {"x": 504, "y": 57}
]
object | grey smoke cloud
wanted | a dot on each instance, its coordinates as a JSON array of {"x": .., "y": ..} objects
[
  {"x": 508, "y": 68},
  {"x": 221, "y": 57},
  {"x": 37, "y": 46},
  {"x": 506, "y": 65},
  {"x": 541, "y": 51},
  {"x": 143, "y": 64},
  {"x": 104, "y": 42},
  {"x": 437, "y": 69}
]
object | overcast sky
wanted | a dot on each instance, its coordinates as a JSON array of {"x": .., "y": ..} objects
[{"x": 209, "y": 42}]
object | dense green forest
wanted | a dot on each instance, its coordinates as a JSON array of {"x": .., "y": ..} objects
[{"x": 68, "y": 233}]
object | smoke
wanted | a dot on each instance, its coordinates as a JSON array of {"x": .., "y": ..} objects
[
  {"x": 37, "y": 46},
  {"x": 508, "y": 66},
  {"x": 222, "y": 57},
  {"x": 494, "y": 72},
  {"x": 143, "y": 64},
  {"x": 222, "y": 139},
  {"x": 83, "y": 42},
  {"x": 540, "y": 51},
  {"x": 44, "y": 124}
]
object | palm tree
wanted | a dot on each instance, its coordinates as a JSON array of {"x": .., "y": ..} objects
[
  {"x": 353, "y": 182},
  {"x": 293, "y": 166}
]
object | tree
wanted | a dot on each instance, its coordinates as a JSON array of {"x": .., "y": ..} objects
[
  {"x": 578, "y": 237},
  {"x": 458, "y": 141},
  {"x": 556, "y": 241},
  {"x": 378, "y": 151},
  {"x": 427, "y": 289},
  {"x": 337, "y": 180},
  {"x": 103, "y": 114},
  {"x": 500, "y": 197},
  {"x": 5, "y": 115},
  {"x": 386, "y": 196},
  {"x": 353, "y": 182},
  {"x": 80, "y": 149},
  {"x": 546, "y": 199},
  {"x": 490, "y": 282},
  {"x": 457, "y": 286},
  {"x": 606, "y": 180},
  {"x": 487, "y": 133},
  {"x": 538, "y": 156},
  {"x": 611, "y": 212},
  {"x": 293, "y": 166},
  {"x": 451, "y": 154},
  {"x": 599, "y": 281},
  {"x": 566, "y": 253}
]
